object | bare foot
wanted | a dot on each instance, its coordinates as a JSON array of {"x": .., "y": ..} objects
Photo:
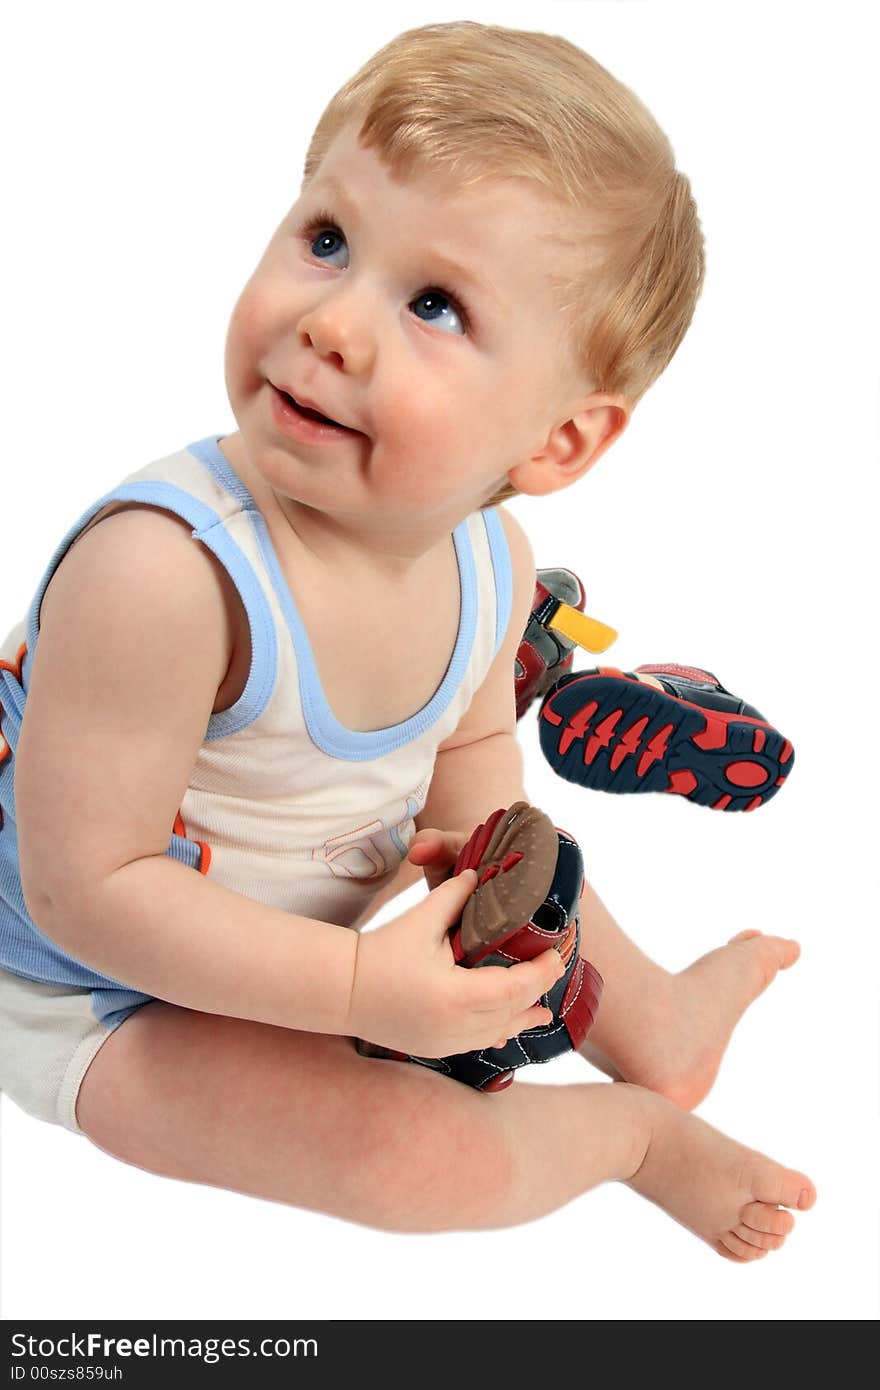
[
  {"x": 682, "y": 1031},
  {"x": 728, "y": 1195}
]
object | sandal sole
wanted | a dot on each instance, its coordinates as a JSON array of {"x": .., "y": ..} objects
[{"x": 613, "y": 733}]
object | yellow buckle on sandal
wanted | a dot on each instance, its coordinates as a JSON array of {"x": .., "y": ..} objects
[{"x": 588, "y": 633}]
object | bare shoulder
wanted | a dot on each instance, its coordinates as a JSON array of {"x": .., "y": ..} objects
[
  {"x": 140, "y": 571},
  {"x": 493, "y": 708},
  {"x": 522, "y": 565},
  {"x": 134, "y": 643}
]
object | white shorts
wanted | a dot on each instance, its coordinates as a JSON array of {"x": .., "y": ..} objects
[{"x": 48, "y": 1037}]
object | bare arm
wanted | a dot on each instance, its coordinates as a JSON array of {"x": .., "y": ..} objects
[
  {"x": 124, "y": 678},
  {"x": 160, "y": 927},
  {"x": 479, "y": 767},
  {"x": 471, "y": 782}
]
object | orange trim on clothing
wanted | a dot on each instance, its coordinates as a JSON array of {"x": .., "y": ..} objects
[
  {"x": 180, "y": 829},
  {"x": 15, "y": 670}
]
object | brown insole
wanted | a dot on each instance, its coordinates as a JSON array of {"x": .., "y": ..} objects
[{"x": 523, "y": 848}]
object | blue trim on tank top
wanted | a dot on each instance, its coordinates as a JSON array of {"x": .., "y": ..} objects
[
  {"x": 208, "y": 528},
  {"x": 500, "y": 552},
  {"x": 326, "y": 731}
]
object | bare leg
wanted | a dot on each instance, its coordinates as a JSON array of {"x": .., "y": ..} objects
[
  {"x": 669, "y": 1031},
  {"x": 657, "y": 1029},
  {"x": 301, "y": 1118}
]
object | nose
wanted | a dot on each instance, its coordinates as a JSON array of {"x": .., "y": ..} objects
[{"x": 341, "y": 327}]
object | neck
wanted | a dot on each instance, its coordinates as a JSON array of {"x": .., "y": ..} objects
[
  {"x": 394, "y": 549},
  {"x": 393, "y": 553}
]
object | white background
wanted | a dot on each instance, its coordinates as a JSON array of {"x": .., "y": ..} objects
[{"x": 149, "y": 153}]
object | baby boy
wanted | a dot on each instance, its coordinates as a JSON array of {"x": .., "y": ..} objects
[{"x": 491, "y": 259}]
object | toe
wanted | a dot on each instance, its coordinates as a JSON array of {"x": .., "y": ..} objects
[
  {"x": 762, "y": 1240},
  {"x": 722, "y": 1249},
  {"x": 741, "y": 1248},
  {"x": 766, "y": 956},
  {"x": 759, "y": 1217},
  {"x": 789, "y": 949},
  {"x": 807, "y": 1196},
  {"x": 783, "y": 1187},
  {"x": 756, "y": 960},
  {"x": 776, "y": 953}
]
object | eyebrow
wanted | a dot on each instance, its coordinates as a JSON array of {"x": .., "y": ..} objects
[{"x": 447, "y": 265}]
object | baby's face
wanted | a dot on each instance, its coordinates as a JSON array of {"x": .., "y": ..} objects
[{"x": 419, "y": 315}]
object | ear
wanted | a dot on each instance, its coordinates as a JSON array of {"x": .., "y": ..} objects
[{"x": 573, "y": 447}]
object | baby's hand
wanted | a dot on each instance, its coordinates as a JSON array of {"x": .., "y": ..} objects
[
  {"x": 410, "y": 995},
  {"x": 436, "y": 852}
]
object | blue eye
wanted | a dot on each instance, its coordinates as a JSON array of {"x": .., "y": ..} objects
[
  {"x": 442, "y": 308},
  {"x": 437, "y": 298},
  {"x": 324, "y": 235}
]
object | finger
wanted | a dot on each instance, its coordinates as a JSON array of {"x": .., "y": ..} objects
[
  {"x": 442, "y": 846},
  {"x": 516, "y": 987},
  {"x": 446, "y": 902},
  {"x": 429, "y": 854},
  {"x": 425, "y": 845},
  {"x": 535, "y": 1017}
]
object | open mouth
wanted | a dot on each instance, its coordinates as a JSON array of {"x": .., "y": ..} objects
[{"x": 308, "y": 412}]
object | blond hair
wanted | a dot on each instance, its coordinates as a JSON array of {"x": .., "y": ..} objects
[{"x": 481, "y": 101}]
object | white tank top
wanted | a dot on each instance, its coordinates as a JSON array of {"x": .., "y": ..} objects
[{"x": 284, "y": 804}]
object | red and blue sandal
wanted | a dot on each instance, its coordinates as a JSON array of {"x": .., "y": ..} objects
[
  {"x": 531, "y": 877},
  {"x": 608, "y": 730},
  {"x": 557, "y": 623}
]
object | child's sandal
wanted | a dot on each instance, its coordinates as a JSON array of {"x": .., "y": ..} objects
[
  {"x": 526, "y": 900},
  {"x": 607, "y": 730},
  {"x": 557, "y": 624}
]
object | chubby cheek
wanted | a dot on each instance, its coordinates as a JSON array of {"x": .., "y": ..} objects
[
  {"x": 425, "y": 447},
  {"x": 248, "y": 333}
]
